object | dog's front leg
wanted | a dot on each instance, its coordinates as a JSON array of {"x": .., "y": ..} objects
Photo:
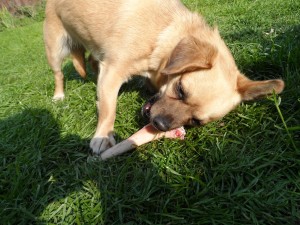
[{"x": 109, "y": 83}]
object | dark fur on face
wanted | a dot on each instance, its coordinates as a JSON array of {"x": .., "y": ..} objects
[{"x": 166, "y": 113}]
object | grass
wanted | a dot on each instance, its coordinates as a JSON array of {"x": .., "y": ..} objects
[{"x": 243, "y": 169}]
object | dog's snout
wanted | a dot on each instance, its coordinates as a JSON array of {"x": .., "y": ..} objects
[{"x": 161, "y": 123}]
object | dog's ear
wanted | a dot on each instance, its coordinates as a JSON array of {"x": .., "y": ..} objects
[
  {"x": 190, "y": 55},
  {"x": 250, "y": 90}
]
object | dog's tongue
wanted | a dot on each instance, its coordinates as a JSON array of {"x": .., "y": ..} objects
[{"x": 147, "y": 106}]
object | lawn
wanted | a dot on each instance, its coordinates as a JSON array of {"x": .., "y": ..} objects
[{"x": 243, "y": 169}]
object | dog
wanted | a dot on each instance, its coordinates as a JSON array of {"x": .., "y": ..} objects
[{"x": 184, "y": 58}]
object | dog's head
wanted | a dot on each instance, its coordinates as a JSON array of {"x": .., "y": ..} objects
[{"x": 203, "y": 85}]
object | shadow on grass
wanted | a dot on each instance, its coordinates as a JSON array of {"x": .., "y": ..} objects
[
  {"x": 41, "y": 169},
  {"x": 47, "y": 178},
  {"x": 71, "y": 74},
  {"x": 279, "y": 52},
  {"x": 36, "y": 164}
]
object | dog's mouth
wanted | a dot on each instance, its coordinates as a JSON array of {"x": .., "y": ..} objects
[{"x": 146, "y": 109}]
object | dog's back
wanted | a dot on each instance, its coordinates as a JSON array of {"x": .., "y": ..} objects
[
  {"x": 108, "y": 26},
  {"x": 126, "y": 32}
]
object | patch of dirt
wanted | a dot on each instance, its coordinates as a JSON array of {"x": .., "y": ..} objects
[{"x": 13, "y": 5}]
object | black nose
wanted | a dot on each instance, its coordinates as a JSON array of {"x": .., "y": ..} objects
[{"x": 161, "y": 123}]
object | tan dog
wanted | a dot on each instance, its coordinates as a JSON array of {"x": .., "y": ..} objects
[{"x": 184, "y": 58}]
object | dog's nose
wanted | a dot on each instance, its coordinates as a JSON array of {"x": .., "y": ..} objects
[{"x": 161, "y": 123}]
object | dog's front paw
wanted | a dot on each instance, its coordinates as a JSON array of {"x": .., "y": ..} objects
[
  {"x": 100, "y": 144},
  {"x": 58, "y": 97}
]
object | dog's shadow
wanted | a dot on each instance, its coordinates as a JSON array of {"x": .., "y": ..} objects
[{"x": 43, "y": 170}]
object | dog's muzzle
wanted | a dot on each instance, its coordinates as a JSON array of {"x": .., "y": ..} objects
[{"x": 160, "y": 122}]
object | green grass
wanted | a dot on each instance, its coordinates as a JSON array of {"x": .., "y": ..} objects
[{"x": 243, "y": 169}]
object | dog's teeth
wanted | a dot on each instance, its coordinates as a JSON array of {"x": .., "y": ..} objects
[{"x": 148, "y": 106}]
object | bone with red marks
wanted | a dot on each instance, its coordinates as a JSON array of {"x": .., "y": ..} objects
[{"x": 146, "y": 134}]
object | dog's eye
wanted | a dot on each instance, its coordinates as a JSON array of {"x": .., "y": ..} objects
[
  {"x": 180, "y": 91},
  {"x": 195, "y": 122}
]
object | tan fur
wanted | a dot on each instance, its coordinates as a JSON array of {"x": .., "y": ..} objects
[{"x": 160, "y": 39}]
